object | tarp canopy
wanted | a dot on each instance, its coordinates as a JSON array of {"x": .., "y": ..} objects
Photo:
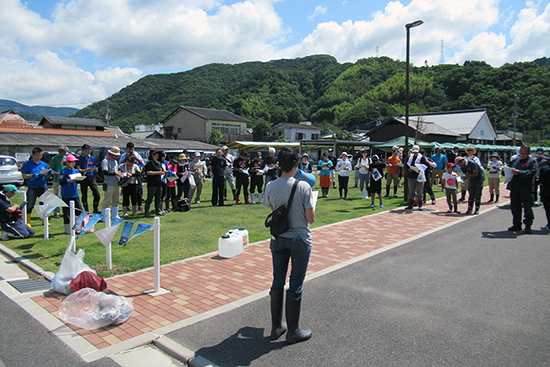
[
  {"x": 256, "y": 145},
  {"x": 400, "y": 142}
]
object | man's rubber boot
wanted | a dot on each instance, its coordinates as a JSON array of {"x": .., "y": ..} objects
[
  {"x": 260, "y": 197},
  {"x": 491, "y": 199},
  {"x": 395, "y": 191},
  {"x": 246, "y": 201},
  {"x": 410, "y": 206},
  {"x": 477, "y": 208},
  {"x": 496, "y": 198},
  {"x": 387, "y": 192},
  {"x": 470, "y": 208},
  {"x": 236, "y": 199},
  {"x": 278, "y": 327},
  {"x": 293, "y": 305},
  {"x": 29, "y": 220},
  {"x": 252, "y": 198}
]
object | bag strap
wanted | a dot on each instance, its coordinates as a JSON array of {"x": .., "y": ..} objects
[{"x": 292, "y": 194}]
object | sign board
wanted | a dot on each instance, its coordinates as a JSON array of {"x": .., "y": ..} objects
[{"x": 22, "y": 157}]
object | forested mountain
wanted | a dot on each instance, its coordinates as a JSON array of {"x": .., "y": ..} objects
[
  {"x": 35, "y": 113},
  {"x": 340, "y": 96}
]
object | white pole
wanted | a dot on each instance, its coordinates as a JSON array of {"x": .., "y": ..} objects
[
  {"x": 46, "y": 228},
  {"x": 156, "y": 228},
  {"x": 71, "y": 223},
  {"x": 109, "y": 255}
]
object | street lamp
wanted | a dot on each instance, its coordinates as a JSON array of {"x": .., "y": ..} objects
[{"x": 406, "y": 148}]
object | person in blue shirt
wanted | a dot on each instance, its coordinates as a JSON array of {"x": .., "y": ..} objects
[
  {"x": 87, "y": 166},
  {"x": 35, "y": 179},
  {"x": 69, "y": 189},
  {"x": 441, "y": 162}
]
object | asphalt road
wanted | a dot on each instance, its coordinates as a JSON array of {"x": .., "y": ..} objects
[
  {"x": 473, "y": 294},
  {"x": 26, "y": 342}
]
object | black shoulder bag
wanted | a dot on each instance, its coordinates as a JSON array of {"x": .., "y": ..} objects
[{"x": 277, "y": 220}]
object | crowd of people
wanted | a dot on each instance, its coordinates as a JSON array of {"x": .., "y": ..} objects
[{"x": 173, "y": 184}]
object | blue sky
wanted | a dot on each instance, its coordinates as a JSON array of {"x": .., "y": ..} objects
[{"x": 75, "y": 52}]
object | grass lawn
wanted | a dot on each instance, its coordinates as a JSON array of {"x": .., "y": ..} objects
[{"x": 184, "y": 235}]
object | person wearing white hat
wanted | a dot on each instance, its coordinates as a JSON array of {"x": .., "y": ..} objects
[
  {"x": 344, "y": 169},
  {"x": 228, "y": 173},
  {"x": 198, "y": 168},
  {"x": 415, "y": 163},
  {"x": 271, "y": 166},
  {"x": 109, "y": 165},
  {"x": 495, "y": 169}
]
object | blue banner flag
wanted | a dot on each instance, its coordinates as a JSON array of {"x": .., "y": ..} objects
[
  {"x": 92, "y": 222},
  {"x": 126, "y": 231},
  {"x": 117, "y": 220},
  {"x": 141, "y": 228},
  {"x": 80, "y": 219}
]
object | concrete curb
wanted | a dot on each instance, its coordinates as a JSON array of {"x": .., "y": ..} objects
[
  {"x": 26, "y": 263},
  {"x": 181, "y": 353}
]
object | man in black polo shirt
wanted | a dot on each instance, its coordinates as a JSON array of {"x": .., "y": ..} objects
[
  {"x": 217, "y": 167},
  {"x": 471, "y": 170}
]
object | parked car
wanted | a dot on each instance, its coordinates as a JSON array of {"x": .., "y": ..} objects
[{"x": 9, "y": 171}]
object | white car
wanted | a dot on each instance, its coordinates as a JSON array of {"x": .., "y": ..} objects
[{"x": 9, "y": 172}]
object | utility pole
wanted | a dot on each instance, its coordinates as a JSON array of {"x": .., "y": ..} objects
[{"x": 515, "y": 116}]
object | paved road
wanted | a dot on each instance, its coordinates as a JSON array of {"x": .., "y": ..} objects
[{"x": 473, "y": 294}]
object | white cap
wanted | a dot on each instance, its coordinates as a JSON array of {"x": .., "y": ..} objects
[
  {"x": 197, "y": 154},
  {"x": 344, "y": 153},
  {"x": 271, "y": 150},
  {"x": 415, "y": 149}
]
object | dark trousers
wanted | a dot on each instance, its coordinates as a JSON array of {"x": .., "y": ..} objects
[
  {"x": 242, "y": 181},
  {"x": 183, "y": 189},
  {"x": 218, "y": 186},
  {"x": 343, "y": 185},
  {"x": 66, "y": 209},
  {"x": 170, "y": 197},
  {"x": 283, "y": 251},
  {"x": 546, "y": 202},
  {"x": 153, "y": 192},
  {"x": 129, "y": 193},
  {"x": 34, "y": 193},
  {"x": 475, "y": 188},
  {"x": 519, "y": 200},
  {"x": 256, "y": 181},
  {"x": 92, "y": 185}
]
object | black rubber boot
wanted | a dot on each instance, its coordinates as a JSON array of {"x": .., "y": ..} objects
[
  {"x": 387, "y": 192},
  {"x": 293, "y": 304},
  {"x": 278, "y": 327},
  {"x": 496, "y": 198},
  {"x": 410, "y": 206},
  {"x": 477, "y": 208},
  {"x": 395, "y": 191},
  {"x": 491, "y": 199}
]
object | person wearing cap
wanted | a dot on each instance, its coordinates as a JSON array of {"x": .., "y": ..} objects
[
  {"x": 305, "y": 164},
  {"x": 293, "y": 246},
  {"x": 544, "y": 181},
  {"x": 324, "y": 166},
  {"x": 217, "y": 166},
  {"x": 271, "y": 166},
  {"x": 494, "y": 168},
  {"x": 57, "y": 163},
  {"x": 256, "y": 170},
  {"x": 364, "y": 175},
  {"x": 441, "y": 161},
  {"x": 198, "y": 168},
  {"x": 334, "y": 160},
  {"x": 171, "y": 196},
  {"x": 470, "y": 156},
  {"x": 393, "y": 173},
  {"x": 154, "y": 171},
  {"x": 11, "y": 216},
  {"x": 69, "y": 189},
  {"x": 354, "y": 160},
  {"x": 344, "y": 168},
  {"x": 449, "y": 181},
  {"x": 472, "y": 172},
  {"x": 35, "y": 179},
  {"x": 524, "y": 169},
  {"x": 131, "y": 171},
  {"x": 540, "y": 158},
  {"x": 229, "y": 177},
  {"x": 87, "y": 166},
  {"x": 415, "y": 163},
  {"x": 183, "y": 173},
  {"x": 109, "y": 165},
  {"x": 240, "y": 171},
  {"x": 453, "y": 154}
]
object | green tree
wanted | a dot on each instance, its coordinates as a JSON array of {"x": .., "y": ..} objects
[{"x": 215, "y": 137}]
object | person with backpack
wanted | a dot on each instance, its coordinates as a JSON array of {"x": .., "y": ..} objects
[{"x": 293, "y": 245}]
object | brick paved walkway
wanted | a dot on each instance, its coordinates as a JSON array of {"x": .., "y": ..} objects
[{"x": 205, "y": 283}]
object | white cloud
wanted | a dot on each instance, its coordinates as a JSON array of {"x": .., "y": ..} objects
[{"x": 319, "y": 10}]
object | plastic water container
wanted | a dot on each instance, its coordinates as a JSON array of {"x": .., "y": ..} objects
[
  {"x": 230, "y": 245},
  {"x": 244, "y": 234}
]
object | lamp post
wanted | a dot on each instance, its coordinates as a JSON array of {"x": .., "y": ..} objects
[{"x": 406, "y": 148}]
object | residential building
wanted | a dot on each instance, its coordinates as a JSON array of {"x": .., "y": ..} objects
[
  {"x": 194, "y": 123},
  {"x": 396, "y": 127},
  {"x": 293, "y": 132}
]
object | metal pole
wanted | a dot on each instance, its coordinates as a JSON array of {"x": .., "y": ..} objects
[
  {"x": 156, "y": 228},
  {"x": 109, "y": 255},
  {"x": 71, "y": 223},
  {"x": 46, "y": 228},
  {"x": 406, "y": 147}
]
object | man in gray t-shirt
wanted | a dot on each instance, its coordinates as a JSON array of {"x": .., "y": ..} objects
[{"x": 294, "y": 245}]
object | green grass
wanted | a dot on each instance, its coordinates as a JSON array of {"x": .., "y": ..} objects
[{"x": 184, "y": 235}]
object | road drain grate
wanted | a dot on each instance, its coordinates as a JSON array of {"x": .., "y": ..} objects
[{"x": 26, "y": 285}]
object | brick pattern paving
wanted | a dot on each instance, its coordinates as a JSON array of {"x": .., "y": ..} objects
[{"x": 205, "y": 283}]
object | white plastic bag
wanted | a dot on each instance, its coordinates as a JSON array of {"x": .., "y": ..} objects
[
  {"x": 71, "y": 265},
  {"x": 91, "y": 310}
]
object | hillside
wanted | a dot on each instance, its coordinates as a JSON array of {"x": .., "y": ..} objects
[
  {"x": 342, "y": 96},
  {"x": 35, "y": 113}
]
